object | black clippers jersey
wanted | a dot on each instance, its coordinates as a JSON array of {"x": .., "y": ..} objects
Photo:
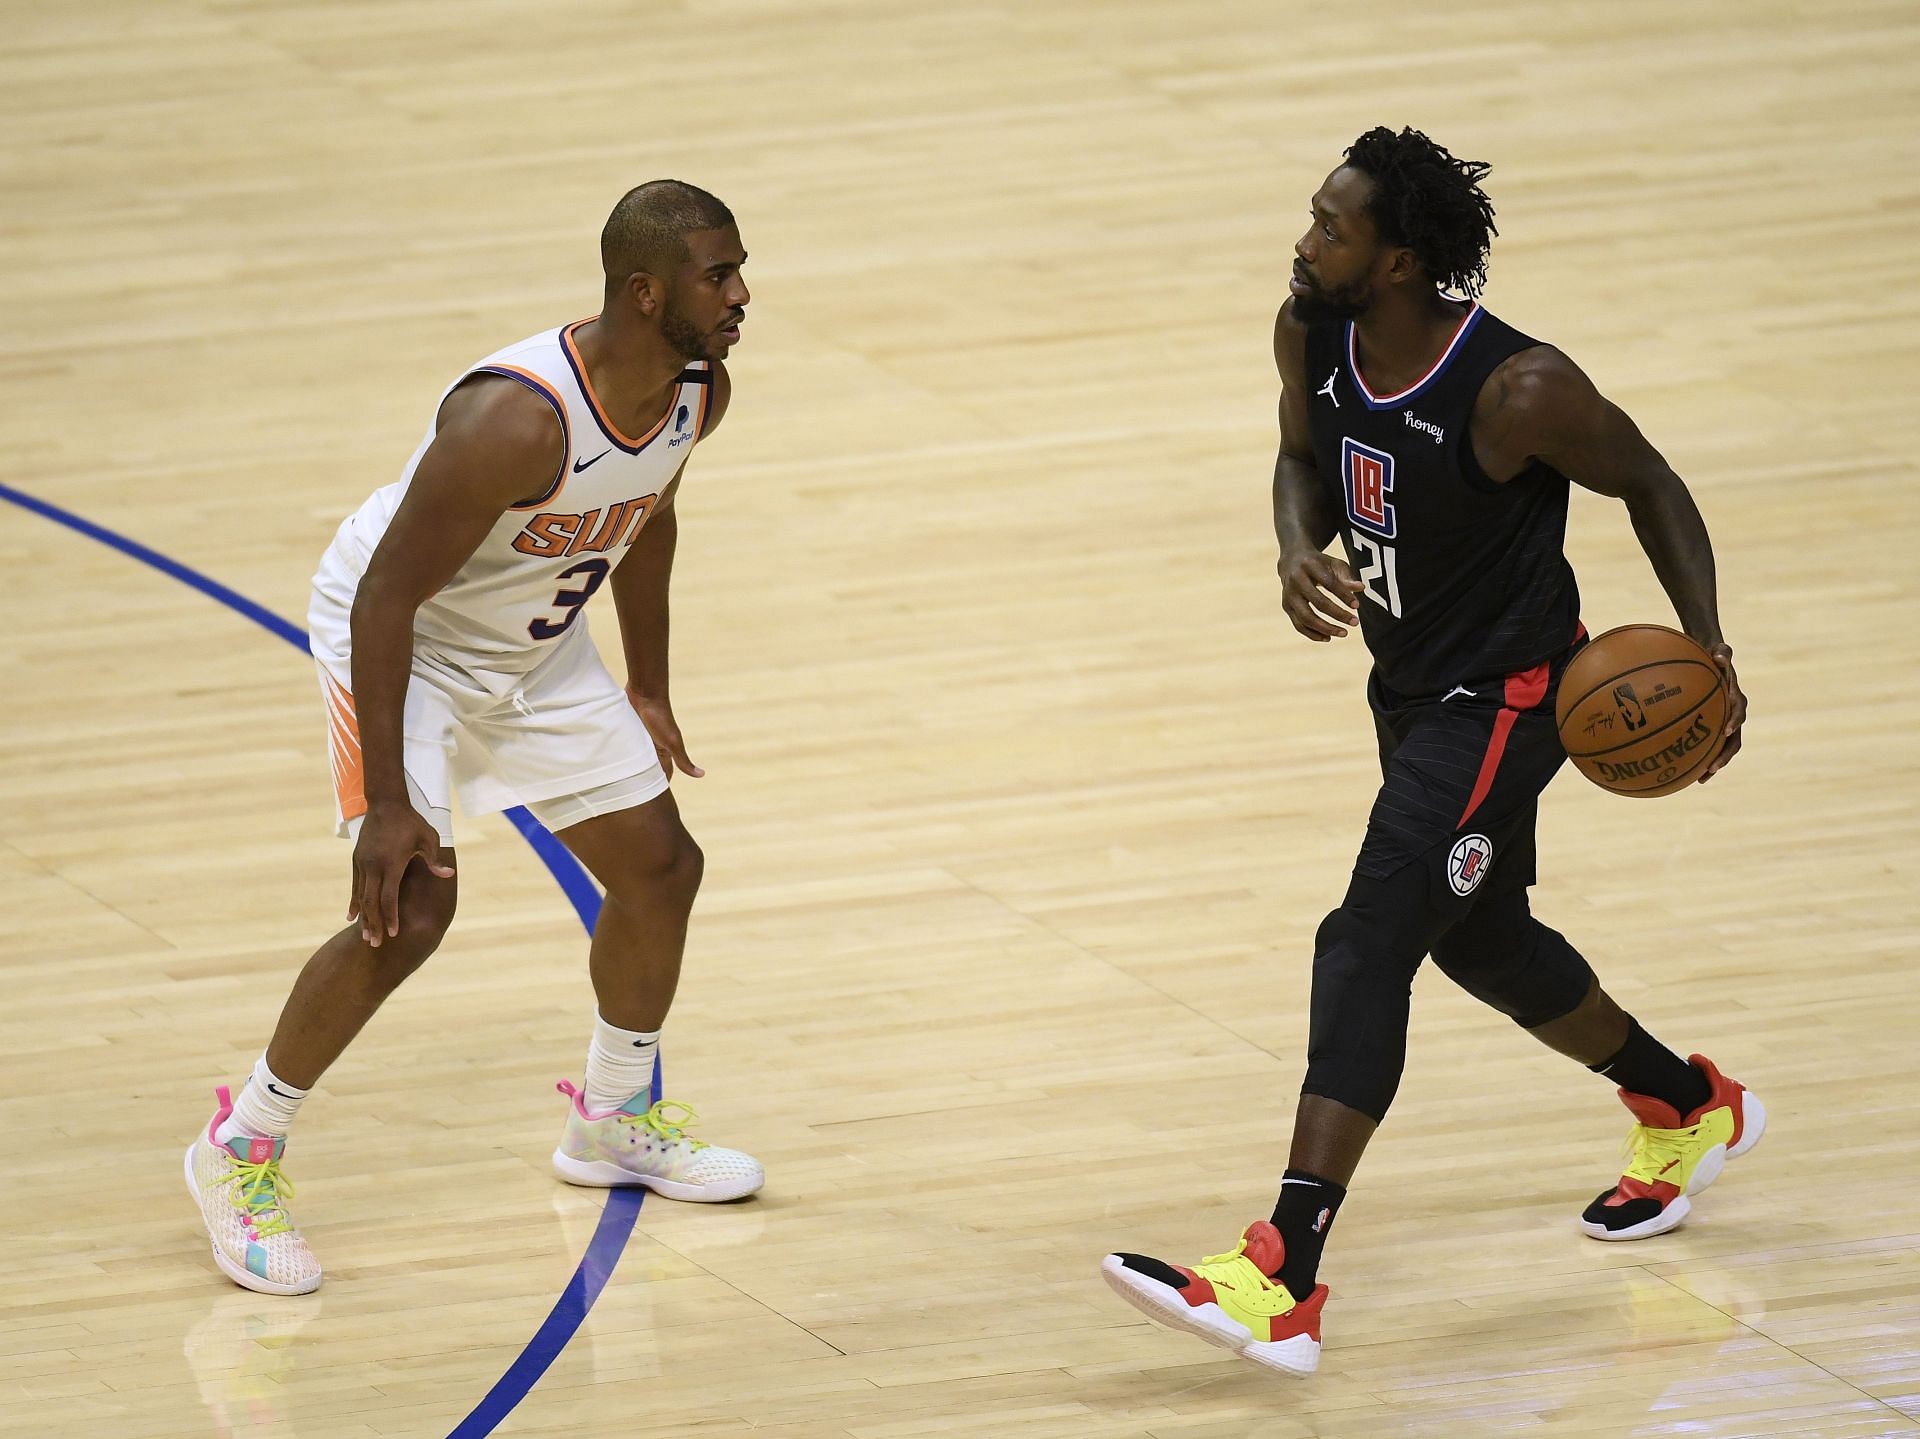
[{"x": 1466, "y": 580}]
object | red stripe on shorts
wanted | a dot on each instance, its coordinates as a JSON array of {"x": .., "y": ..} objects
[{"x": 1524, "y": 690}]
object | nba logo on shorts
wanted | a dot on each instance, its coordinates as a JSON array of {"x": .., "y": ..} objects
[
  {"x": 1367, "y": 474},
  {"x": 1469, "y": 862}
]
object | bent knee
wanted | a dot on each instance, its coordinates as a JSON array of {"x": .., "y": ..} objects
[
  {"x": 670, "y": 862},
  {"x": 427, "y": 904}
]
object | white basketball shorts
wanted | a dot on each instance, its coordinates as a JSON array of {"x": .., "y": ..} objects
[{"x": 561, "y": 738}]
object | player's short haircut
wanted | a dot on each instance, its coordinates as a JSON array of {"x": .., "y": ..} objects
[
  {"x": 1430, "y": 202},
  {"x": 648, "y": 229}
]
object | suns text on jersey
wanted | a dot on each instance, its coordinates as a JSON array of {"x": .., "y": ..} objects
[{"x": 551, "y": 535}]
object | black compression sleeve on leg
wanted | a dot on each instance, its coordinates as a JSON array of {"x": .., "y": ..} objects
[
  {"x": 1505, "y": 958},
  {"x": 1364, "y": 959}
]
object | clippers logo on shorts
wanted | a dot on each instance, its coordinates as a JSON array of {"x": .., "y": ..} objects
[
  {"x": 1469, "y": 862},
  {"x": 1368, "y": 477}
]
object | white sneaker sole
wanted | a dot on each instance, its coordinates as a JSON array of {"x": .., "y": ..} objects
[
  {"x": 1298, "y": 1356},
  {"x": 600, "y": 1174},
  {"x": 239, "y": 1273},
  {"x": 1710, "y": 1167}
]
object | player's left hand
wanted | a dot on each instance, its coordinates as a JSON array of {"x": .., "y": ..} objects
[
  {"x": 657, "y": 715},
  {"x": 1736, "y": 710}
]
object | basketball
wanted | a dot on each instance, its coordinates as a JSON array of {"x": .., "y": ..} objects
[{"x": 1641, "y": 711}]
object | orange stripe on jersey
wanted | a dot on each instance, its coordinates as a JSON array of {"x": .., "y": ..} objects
[
  {"x": 343, "y": 744},
  {"x": 706, "y": 399},
  {"x": 599, "y": 411},
  {"x": 552, "y": 397}
]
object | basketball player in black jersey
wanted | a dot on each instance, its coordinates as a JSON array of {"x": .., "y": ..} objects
[{"x": 1437, "y": 444}]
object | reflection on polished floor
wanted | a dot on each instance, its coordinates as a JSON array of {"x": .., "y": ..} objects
[{"x": 1023, "y": 803}]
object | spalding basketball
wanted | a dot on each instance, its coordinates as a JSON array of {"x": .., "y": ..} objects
[{"x": 1641, "y": 710}]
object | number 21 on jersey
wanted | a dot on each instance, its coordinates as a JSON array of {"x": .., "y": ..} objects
[{"x": 1366, "y": 476}]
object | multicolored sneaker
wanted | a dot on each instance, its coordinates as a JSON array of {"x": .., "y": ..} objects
[
  {"x": 1674, "y": 1156},
  {"x": 1228, "y": 1300},
  {"x": 242, "y": 1197},
  {"x": 630, "y": 1145}
]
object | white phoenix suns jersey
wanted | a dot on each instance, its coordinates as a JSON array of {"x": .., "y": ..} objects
[{"x": 522, "y": 589}]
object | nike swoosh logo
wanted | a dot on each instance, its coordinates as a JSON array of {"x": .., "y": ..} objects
[
  {"x": 277, "y": 1090},
  {"x": 1668, "y": 1165},
  {"x": 579, "y": 465}
]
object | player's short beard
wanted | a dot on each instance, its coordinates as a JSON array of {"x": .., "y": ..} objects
[
  {"x": 686, "y": 339},
  {"x": 1320, "y": 306}
]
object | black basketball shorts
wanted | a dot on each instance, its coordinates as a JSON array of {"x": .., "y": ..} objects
[{"x": 1461, "y": 775}]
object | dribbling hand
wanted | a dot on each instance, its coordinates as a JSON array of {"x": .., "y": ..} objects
[
  {"x": 1736, "y": 710},
  {"x": 1319, "y": 593},
  {"x": 390, "y": 836}
]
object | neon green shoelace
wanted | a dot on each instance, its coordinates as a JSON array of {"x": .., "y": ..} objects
[
  {"x": 668, "y": 1120},
  {"x": 1655, "y": 1153},
  {"x": 1242, "y": 1279},
  {"x": 1227, "y": 1258},
  {"x": 258, "y": 1188}
]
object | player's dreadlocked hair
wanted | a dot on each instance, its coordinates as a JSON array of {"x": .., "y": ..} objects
[{"x": 1430, "y": 202}]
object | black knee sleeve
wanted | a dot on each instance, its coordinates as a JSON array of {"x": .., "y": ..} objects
[
  {"x": 1362, "y": 977},
  {"x": 1504, "y": 957}
]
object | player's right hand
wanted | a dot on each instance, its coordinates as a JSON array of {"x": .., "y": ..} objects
[
  {"x": 390, "y": 836},
  {"x": 1320, "y": 591}
]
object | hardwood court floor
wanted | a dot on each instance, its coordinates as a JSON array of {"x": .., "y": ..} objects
[{"x": 1023, "y": 800}]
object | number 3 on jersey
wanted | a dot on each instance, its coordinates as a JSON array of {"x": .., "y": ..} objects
[
  {"x": 596, "y": 573},
  {"x": 1367, "y": 478}
]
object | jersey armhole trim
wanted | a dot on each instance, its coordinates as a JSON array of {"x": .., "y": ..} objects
[
  {"x": 1472, "y": 472},
  {"x": 1474, "y": 475},
  {"x": 703, "y": 379},
  {"x": 546, "y": 392}
]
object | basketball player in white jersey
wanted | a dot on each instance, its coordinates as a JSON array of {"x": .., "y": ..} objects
[{"x": 444, "y": 622}]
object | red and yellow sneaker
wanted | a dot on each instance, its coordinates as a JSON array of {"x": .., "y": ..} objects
[
  {"x": 1228, "y": 1300},
  {"x": 1673, "y": 1156}
]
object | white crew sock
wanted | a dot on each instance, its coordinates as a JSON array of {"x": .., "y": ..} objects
[
  {"x": 265, "y": 1106},
  {"x": 619, "y": 1065}
]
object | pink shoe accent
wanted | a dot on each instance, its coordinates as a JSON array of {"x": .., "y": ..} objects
[
  {"x": 259, "y": 1149},
  {"x": 225, "y": 1097},
  {"x": 579, "y": 1098}
]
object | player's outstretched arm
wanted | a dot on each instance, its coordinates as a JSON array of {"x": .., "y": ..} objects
[
  {"x": 1539, "y": 405},
  {"x": 497, "y": 444},
  {"x": 640, "y": 584},
  {"x": 1319, "y": 590}
]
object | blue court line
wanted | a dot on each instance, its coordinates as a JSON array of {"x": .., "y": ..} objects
[{"x": 623, "y": 1205}]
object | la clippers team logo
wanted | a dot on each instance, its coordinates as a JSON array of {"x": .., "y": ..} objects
[
  {"x": 1367, "y": 474},
  {"x": 1467, "y": 865}
]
